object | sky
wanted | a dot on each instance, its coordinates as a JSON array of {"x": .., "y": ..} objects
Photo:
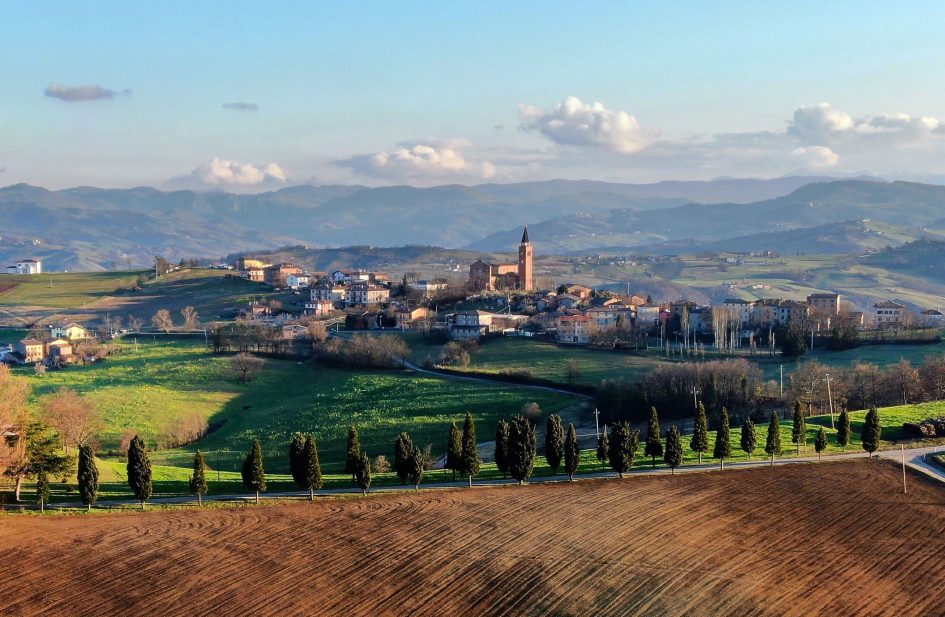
[{"x": 252, "y": 96}]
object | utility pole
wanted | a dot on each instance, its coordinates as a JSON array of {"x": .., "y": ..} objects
[
  {"x": 902, "y": 450},
  {"x": 782, "y": 380},
  {"x": 597, "y": 422},
  {"x": 829, "y": 397},
  {"x": 695, "y": 400}
]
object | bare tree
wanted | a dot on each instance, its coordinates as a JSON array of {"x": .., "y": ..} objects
[
  {"x": 245, "y": 366},
  {"x": 572, "y": 370},
  {"x": 135, "y": 323},
  {"x": 162, "y": 320},
  {"x": 14, "y": 417},
  {"x": 191, "y": 318},
  {"x": 74, "y": 416}
]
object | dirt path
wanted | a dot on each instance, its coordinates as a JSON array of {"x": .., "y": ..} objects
[{"x": 836, "y": 539}]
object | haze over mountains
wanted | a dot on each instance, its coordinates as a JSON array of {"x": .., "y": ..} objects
[{"x": 90, "y": 228}]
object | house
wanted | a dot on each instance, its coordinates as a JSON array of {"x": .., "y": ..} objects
[
  {"x": 575, "y": 329},
  {"x": 59, "y": 349},
  {"x": 466, "y": 325},
  {"x": 547, "y": 302},
  {"x": 764, "y": 313},
  {"x": 931, "y": 318},
  {"x": 568, "y": 301},
  {"x": 739, "y": 309},
  {"x": 580, "y": 291},
  {"x": 606, "y": 317},
  {"x": 71, "y": 331},
  {"x": 295, "y": 281},
  {"x": 792, "y": 311},
  {"x": 648, "y": 316},
  {"x": 888, "y": 313},
  {"x": 824, "y": 305},
  {"x": 26, "y": 266},
  {"x": 407, "y": 317},
  {"x": 254, "y": 311},
  {"x": 29, "y": 350},
  {"x": 430, "y": 288},
  {"x": 341, "y": 277},
  {"x": 319, "y": 308},
  {"x": 251, "y": 269},
  {"x": 277, "y": 274},
  {"x": 293, "y": 332},
  {"x": 364, "y": 293},
  {"x": 326, "y": 290}
]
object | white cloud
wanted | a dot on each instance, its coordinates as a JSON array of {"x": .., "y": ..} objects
[
  {"x": 574, "y": 123},
  {"x": 222, "y": 172},
  {"x": 823, "y": 124},
  {"x": 425, "y": 161},
  {"x": 816, "y": 157}
]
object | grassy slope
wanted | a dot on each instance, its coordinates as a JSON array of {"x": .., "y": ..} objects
[{"x": 67, "y": 290}]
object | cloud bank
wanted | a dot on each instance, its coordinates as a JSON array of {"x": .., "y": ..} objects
[
  {"x": 226, "y": 173},
  {"x": 78, "y": 94},
  {"x": 422, "y": 162}
]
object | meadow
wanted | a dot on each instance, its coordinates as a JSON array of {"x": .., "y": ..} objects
[{"x": 66, "y": 290}]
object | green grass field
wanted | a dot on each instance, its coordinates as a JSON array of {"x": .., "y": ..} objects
[
  {"x": 148, "y": 390},
  {"x": 65, "y": 290}
]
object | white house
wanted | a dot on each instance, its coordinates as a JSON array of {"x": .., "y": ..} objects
[
  {"x": 364, "y": 293},
  {"x": 71, "y": 331},
  {"x": 295, "y": 281},
  {"x": 428, "y": 288},
  {"x": 319, "y": 308},
  {"x": 888, "y": 313},
  {"x": 327, "y": 291},
  {"x": 470, "y": 324},
  {"x": 26, "y": 266},
  {"x": 740, "y": 309}
]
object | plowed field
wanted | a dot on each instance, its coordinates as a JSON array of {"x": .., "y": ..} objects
[{"x": 831, "y": 539}]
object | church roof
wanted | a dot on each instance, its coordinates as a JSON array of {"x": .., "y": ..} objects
[{"x": 525, "y": 236}]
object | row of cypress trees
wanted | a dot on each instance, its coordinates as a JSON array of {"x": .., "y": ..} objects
[
  {"x": 619, "y": 447},
  {"x": 515, "y": 451}
]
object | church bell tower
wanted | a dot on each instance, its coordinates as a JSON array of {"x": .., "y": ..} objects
[{"x": 525, "y": 271}]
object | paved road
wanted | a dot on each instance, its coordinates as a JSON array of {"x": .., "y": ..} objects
[{"x": 914, "y": 459}]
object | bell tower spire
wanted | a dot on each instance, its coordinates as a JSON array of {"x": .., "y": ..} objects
[{"x": 525, "y": 270}]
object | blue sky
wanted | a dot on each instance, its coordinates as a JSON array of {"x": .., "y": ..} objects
[{"x": 427, "y": 93}]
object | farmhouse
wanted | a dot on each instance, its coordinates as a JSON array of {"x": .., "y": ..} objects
[
  {"x": 26, "y": 266},
  {"x": 466, "y": 325},
  {"x": 888, "y": 313},
  {"x": 277, "y": 274},
  {"x": 407, "y": 318},
  {"x": 60, "y": 350},
  {"x": 29, "y": 350},
  {"x": 71, "y": 331}
]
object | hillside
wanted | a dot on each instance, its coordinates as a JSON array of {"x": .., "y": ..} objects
[
  {"x": 924, "y": 258},
  {"x": 835, "y": 539},
  {"x": 92, "y": 229},
  {"x": 899, "y": 203}
]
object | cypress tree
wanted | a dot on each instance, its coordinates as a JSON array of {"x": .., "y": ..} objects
[
  {"x": 749, "y": 438},
  {"x": 871, "y": 431},
  {"x": 469, "y": 461},
  {"x": 42, "y": 489},
  {"x": 416, "y": 464},
  {"x": 403, "y": 451},
  {"x": 502, "y": 447},
  {"x": 674, "y": 448},
  {"x": 352, "y": 452},
  {"x": 454, "y": 450},
  {"x": 799, "y": 431},
  {"x": 843, "y": 430},
  {"x": 623, "y": 447},
  {"x": 522, "y": 446},
  {"x": 572, "y": 452},
  {"x": 603, "y": 448},
  {"x": 362, "y": 474},
  {"x": 254, "y": 477},
  {"x": 700, "y": 432},
  {"x": 773, "y": 442},
  {"x": 554, "y": 442},
  {"x": 139, "y": 470},
  {"x": 312, "y": 467},
  {"x": 654, "y": 446},
  {"x": 820, "y": 444},
  {"x": 296, "y": 463},
  {"x": 723, "y": 439},
  {"x": 198, "y": 482},
  {"x": 87, "y": 476}
]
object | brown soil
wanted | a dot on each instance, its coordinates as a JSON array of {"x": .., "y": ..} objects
[{"x": 831, "y": 539}]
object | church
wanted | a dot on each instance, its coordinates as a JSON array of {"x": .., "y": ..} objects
[{"x": 485, "y": 276}]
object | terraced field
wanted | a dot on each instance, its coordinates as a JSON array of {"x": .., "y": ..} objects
[{"x": 833, "y": 539}]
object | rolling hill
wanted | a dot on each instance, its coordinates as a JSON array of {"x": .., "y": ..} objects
[{"x": 88, "y": 228}]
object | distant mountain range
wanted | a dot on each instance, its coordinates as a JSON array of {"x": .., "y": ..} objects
[{"x": 89, "y": 228}]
